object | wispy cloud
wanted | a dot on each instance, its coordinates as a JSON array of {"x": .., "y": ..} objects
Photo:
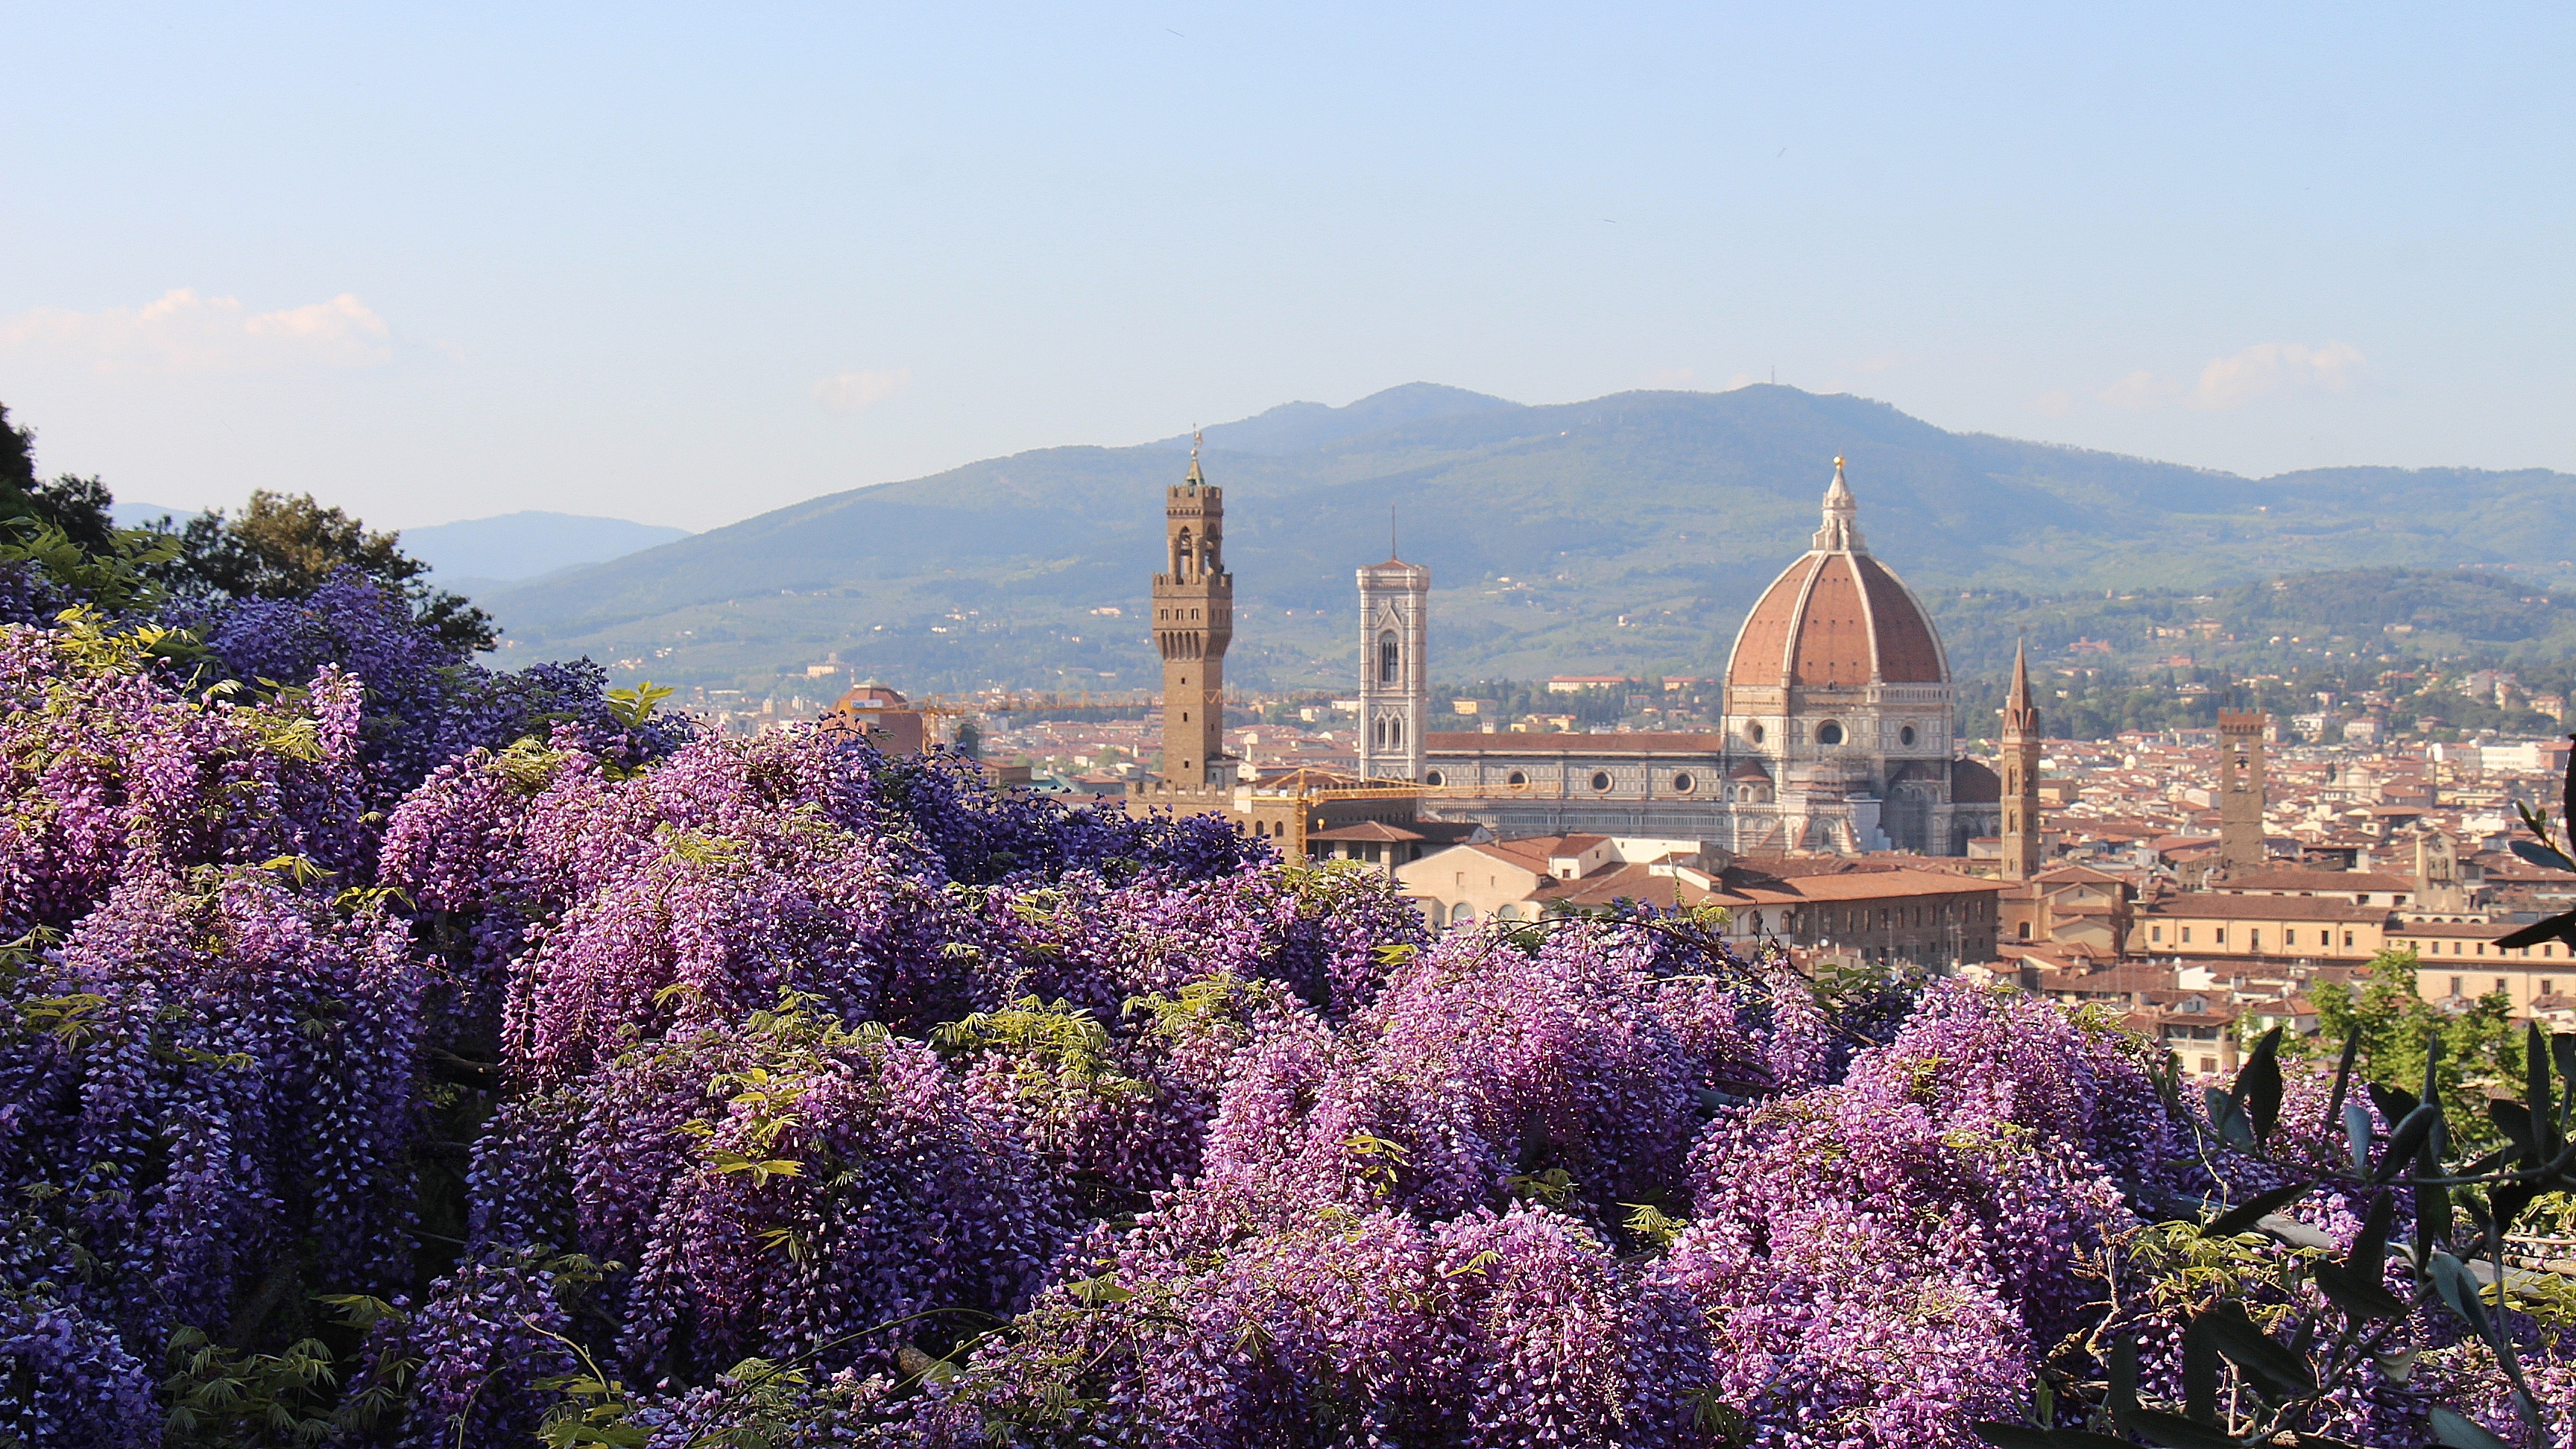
[
  {"x": 853, "y": 388},
  {"x": 2137, "y": 390},
  {"x": 183, "y": 332},
  {"x": 2269, "y": 367},
  {"x": 2243, "y": 377}
]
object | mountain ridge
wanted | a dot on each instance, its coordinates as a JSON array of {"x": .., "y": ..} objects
[{"x": 1626, "y": 531}]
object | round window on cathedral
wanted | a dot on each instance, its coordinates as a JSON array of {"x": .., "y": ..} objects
[
  {"x": 1601, "y": 779},
  {"x": 1753, "y": 732},
  {"x": 1906, "y": 735},
  {"x": 1682, "y": 783},
  {"x": 1516, "y": 779},
  {"x": 1829, "y": 733},
  {"x": 1432, "y": 779}
]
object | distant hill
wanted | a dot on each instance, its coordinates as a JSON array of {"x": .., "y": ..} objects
[
  {"x": 517, "y": 546},
  {"x": 1629, "y": 533}
]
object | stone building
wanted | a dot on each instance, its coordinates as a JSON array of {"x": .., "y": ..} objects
[
  {"x": 1838, "y": 733},
  {"x": 1395, "y": 675}
]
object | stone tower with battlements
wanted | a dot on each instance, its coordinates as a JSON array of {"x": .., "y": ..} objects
[
  {"x": 1395, "y": 668},
  {"x": 1193, "y": 622},
  {"x": 2240, "y": 790},
  {"x": 2021, "y": 735}
]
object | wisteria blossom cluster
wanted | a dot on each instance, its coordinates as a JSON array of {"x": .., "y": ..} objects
[{"x": 398, "y": 1055}]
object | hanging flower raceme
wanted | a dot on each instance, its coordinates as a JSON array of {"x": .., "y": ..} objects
[{"x": 212, "y": 1096}]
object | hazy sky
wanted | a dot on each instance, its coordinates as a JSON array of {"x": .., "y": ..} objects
[{"x": 685, "y": 265}]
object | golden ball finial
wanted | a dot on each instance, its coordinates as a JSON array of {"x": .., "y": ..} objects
[{"x": 1838, "y": 460}]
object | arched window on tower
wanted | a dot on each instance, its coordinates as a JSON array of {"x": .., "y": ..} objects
[
  {"x": 1207, "y": 556},
  {"x": 1181, "y": 555},
  {"x": 1394, "y": 734},
  {"x": 1390, "y": 659}
]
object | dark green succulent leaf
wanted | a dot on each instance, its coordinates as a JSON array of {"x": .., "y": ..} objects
[
  {"x": 2011, "y": 1436},
  {"x": 2356, "y": 1131},
  {"x": 2514, "y": 1120},
  {"x": 2459, "y": 1431},
  {"x": 2555, "y": 928},
  {"x": 2562, "y": 1049},
  {"x": 2242, "y": 1217},
  {"x": 2545, "y": 856},
  {"x": 2258, "y": 1085},
  {"x": 2536, "y": 1095},
  {"x": 2393, "y": 1102},
  {"x": 2173, "y": 1431},
  {"x": 2266, "y": 1363},
  {"x": 2353, "y": 1295},
  {"x": 2369, "y": 1256},
  {"x": 2337, "y": 1103},
  {"x": 2200, "y": 1362},
  {"x": 2459, "y": 1288},
  {"x": 2511, "y": 1200},
  {"x": 2123, "y": 1395},
  {"x": 2085, "y": 1439},
  {"x": 2403, "y": 1141}
]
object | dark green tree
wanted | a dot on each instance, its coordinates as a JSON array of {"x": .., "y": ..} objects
[
  {"x": 2480, "y": 1046},
  {"x": 283, "y": 547},
  {"x": 76, "y": 507}
]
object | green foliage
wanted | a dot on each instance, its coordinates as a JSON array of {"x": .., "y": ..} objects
[
  {"x": 1054, "y": 1045},
  {"x": 632, "y": 707},
  {"x": 282, "y": 547},
  {"x": 2479, "y": 1046},
  {"x": 221, "y": 1398}
]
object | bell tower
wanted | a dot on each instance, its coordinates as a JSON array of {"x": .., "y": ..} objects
[
  {"x": 1395, "y": 674},
  {"x": 2240, "y": 789},
  {"x": 2021, "y": 746},
  {"x": 1193, "y": 622}
]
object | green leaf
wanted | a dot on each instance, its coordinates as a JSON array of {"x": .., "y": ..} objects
[
  {"x": 2173, "y": 1431},
  {"x": 2403, "y": 1142},
  {"x": 2258, "y": 1085},
  {"x": 2356, "y": 1131},
  {"x": 2351, "y": 1293},
  {"x": 2012, "y": 1436},
  {"x": 2337, "y": 1103},
  {"x": 2369, "y": 1256},
  {"x": 2536, "y": 1096},
  {"x": 2544, "y": 856},
  {"x": 2459, "y": 1288},
  {"x": 2555, "y": 928},
  {"x": 2265, "y": 1362},
  {"x": 2242, "y": 1217},
  {"x": 2123, "y": 1394},
  {"x": 2459, "y": 1431},
  {"x": 2199, "y": 1372}
]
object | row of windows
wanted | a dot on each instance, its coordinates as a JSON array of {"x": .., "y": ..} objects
[
  {"x": 2254, "y": 936},
  {"x": 2505, "y": 985},
  {"x": 2547, "y": 949},
  {"x": 1831, "y": 733}
]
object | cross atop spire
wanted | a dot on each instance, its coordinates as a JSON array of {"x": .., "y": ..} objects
[
  {"x": 1197, "y": 436},
  {"x": 1840, "y": 532}
]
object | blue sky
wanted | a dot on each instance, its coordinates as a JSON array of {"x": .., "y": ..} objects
[{"x": 682, "y": 266}]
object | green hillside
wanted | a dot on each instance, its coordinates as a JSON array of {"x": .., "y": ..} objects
[{"x": 1625, "y": 533}]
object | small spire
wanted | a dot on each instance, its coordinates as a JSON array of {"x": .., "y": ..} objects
[
  {"x": 2021, "y": 717},
  {"x": 1197, "y": 436},
  {"x": 1840, "y": 532}
]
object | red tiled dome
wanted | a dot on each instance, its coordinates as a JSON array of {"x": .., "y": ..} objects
[{"x": 1836, "y": 617}]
